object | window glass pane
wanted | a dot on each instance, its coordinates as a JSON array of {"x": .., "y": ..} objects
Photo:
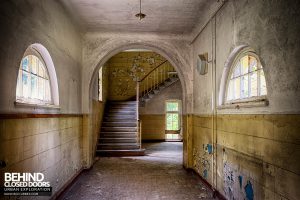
[
  {"x": 34, "y": 69},
  {"x": 172, "y": 106},
  {"x": 237, "y": 88},
  {"x": 172, "y": 121},
  {"x": 33, "y": 82},
  {"x": 34, "y": 92},
  {"x": 247, "y": 79},
  {"x": 244, "y": 86},
  {"x": 237, "y": 70},
  {"x": 25, "y": 62},
  {"x": 48, "y": 93},
  {"x": 263, "y": 86},
  {"x": 169, "y": 136},
  {"x": 244, "y": 64},
  {"x": 41, "y": 88},
  {"x": 25, "y": 83},
  {"x": 253, "y": 82},
  {"x": 253, "y": 63},
  {"x": 230, "y": 90},
  {"x": 34, "y": 62},
  {"x": 41, "y": 70}
]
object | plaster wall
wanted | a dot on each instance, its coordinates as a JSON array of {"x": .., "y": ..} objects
[
  {"x": 51, "y": 144},
  {"x": 46, "y": 22},
  {"x": 271, "y": 29},
  {"x": 253, "y": 148},
  {"x": 152, "y": 114}
]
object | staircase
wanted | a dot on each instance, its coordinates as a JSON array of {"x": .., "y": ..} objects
[
  {"x": 119, "y": 135},
  {"x": 156, "y": 80},
  {"x": 156, "y": 90}
]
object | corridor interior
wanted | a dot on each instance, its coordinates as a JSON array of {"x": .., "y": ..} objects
[
  {"x": 151, "y": 99},
  {"x": 157, "y": 175}
]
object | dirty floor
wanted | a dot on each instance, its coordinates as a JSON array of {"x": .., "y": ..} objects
[{"x": 158, "y": 175}]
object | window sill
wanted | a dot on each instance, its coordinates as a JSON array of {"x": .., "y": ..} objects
[
  {"x": 245, "y": 104},
  {"x": 36, "y": 106}
]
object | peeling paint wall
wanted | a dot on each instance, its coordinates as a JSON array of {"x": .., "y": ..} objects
[
  {"x": 127, "y": 67},
  {"x": 256, "y": 149}
]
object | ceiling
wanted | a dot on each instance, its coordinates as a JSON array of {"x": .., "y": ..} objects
[{"x": 166, "y": 16}]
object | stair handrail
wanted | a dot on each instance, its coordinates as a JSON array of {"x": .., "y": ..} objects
[
  {"x": 152, "y": 71},
  {"x": 149, "y": 84}
]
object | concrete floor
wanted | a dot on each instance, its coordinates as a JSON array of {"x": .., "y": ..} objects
[{"x": 158, "y": 175}]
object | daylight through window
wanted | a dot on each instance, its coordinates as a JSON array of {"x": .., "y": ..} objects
[
  {"x": 33, "y": 84},
  {"x": 246, "y": 79}
]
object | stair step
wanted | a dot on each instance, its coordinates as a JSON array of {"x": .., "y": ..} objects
[
  {"x": 113, "y": 119},
  {"x": 118, "y": 135},
  {"x": 128, "y": 109},
  {"x": 162, "y": 86},
  {"x": 117, "y": 116},
  {"x": 118, "y": 146},
  {"x": 121, "y": 107},
  {"x": 122, "y": 103},
  {"x": 119, "y": 124},
  {"x": 117, "y": 140},
  {"x": 134, "y": 152},
  {"x": 156, "y": 91},
  {"x": 121, "y": 112},
  {"x": 121, "y": 115},
  {"x": 118, "y": 129}
]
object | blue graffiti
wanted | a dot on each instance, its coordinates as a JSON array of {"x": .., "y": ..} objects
[
  {"x": 241, "y": 181},
  {"x": 205, "y": 174},
  {"x": 209, "y": 148},
  {"x": 249, "y": 191}
]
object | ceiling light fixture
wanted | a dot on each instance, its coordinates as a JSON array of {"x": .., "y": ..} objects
[{"x": 140, "y": 15}]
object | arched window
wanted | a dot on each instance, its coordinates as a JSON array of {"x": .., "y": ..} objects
[
  {"x": 247, "y": 78},
  {"x": 243, "y": 78},
  {"x": 35, "y": 84}
]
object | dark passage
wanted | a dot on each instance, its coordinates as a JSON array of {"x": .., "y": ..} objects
[{"x": 158, "y": 175}]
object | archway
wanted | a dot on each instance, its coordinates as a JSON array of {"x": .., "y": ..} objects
[{"x": 99, "y": 55}]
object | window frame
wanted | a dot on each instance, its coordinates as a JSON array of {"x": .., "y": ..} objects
[
  {"x": 39, "y": 51},
  {"x": 230, "y": 65},
  {"x": 179, "y": 116}
]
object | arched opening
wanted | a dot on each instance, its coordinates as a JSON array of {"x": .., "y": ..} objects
[
  {"x": 171, "y": 56},
  {"x": 171, "y": 123}
]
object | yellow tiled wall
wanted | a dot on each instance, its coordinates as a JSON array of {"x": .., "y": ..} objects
[
  {"x": 263, "y": 150},
  {"x": 52, "y": 146},
  {"x": 153, "y": 127},
  {"x": 91, "y": 129}
]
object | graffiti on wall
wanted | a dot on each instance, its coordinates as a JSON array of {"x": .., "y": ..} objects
[
  {"x": 202, "y": 160},
  {"x": 234, "y": 186}
]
